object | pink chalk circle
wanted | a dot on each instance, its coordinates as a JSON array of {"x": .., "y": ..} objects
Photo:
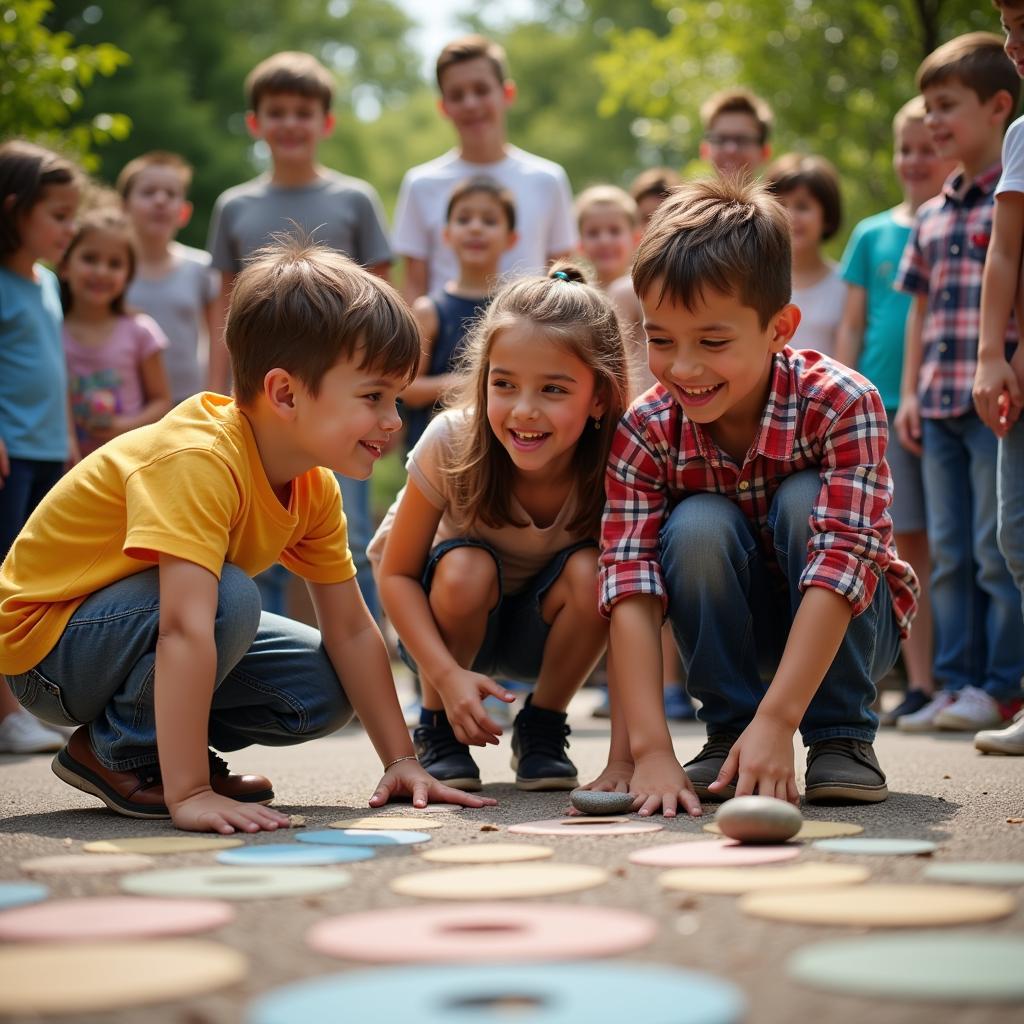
[
  {"x": 584, "y": 826},
  {"x": 111, "y": 917},
  {"x": 717, "y": 853},
  {"x": 482, "y": 933}
]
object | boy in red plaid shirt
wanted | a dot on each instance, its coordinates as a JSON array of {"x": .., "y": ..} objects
[
  {"x": 970, "y": 90},
  {"x": 747, "y": 498}
]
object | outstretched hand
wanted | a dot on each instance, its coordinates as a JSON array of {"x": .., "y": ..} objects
[
  {"x": 660, "y": 783},
  {"x": 614, "y": 779},
  {"x": 761, "y": 761},
  {"x": 463, "y": 693},
  {"x": 408, "y": 778},
  {"x": 210, "y": 812}
]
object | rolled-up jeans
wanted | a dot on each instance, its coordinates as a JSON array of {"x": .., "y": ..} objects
[
  {"x": 731, "y": 615},
  {"x": 274, "y": 683}
]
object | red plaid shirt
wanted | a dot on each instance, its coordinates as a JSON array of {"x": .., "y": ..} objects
[
  {"x": 944, "y": 259},
  {"x": 819, "y": 415}
]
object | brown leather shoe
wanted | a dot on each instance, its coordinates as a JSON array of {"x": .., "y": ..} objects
[{"x": 139, "y": 793}]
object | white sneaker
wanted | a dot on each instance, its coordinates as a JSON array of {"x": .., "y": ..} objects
[
  {"x": 924, "y": 720},
  {"x": 22, "y": 733},
  {"x": 973, "y": 709},
  {"x": 1003, "y": 741}
]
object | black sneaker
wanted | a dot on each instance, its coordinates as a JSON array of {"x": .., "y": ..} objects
[
  {"x": 913, "y": 701},
  {"x": 843, "y": 771},
  {"x": 539, "y": 741},
  {"x": 704, "y": 768},
  {"x": 443, "y": 756}
]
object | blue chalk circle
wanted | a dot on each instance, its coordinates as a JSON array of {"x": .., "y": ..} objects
[
  {"x": 283, "y": 854},
  {"x": 20, "y": 894},
  {"x": 363, "y": 837}
]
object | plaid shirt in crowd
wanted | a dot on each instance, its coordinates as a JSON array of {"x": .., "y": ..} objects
[
  {"x": 944, "y": 259},
  {"x": 819, "y": 415}
]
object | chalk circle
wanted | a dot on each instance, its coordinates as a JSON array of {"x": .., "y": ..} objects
[
  {"x": 950, "y": 968},
  {"x": 161, "y": 844},
  {"x": 294, "y": 855},
  {"x": 488, "y": 853},
  {"x": 363, "y": 837},
  {"x": 736, "y": 881},
  {"x": 235, "y": 883},
  {"x": 111, "y": 917},
  {"x": 712, "y": 853},
  {"x": 76, "y": 864},
  {"x": 605, "y": 993},
  {"x": 980, "y": 872},
  {"x": 482, "y": 932},
  {"x": 387, "y": 822},
  {"x": 76, "y": 978},
  {"x": 499, "y": 882},
  {"x": 583, "y": 826},
  {"x": 881, "y": 906},
  {"x": 20, "y": 894},
  {"x": 872, "y": 846},
  {"x": 811, "y": 830}
]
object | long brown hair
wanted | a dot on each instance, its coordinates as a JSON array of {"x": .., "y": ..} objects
[{"x": 566, "y": 309}]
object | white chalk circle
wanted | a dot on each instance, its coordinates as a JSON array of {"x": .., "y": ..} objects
[
  {"x": 363, "y": 837},
  {"x": 709, "y": 853},
  {"x": 293, "y": 854},
  {"x": 235, "y": 883},
  {"x": 499, "y": 882},
  {"x": 736, "y": 881},
  {"x": 871, "y": 846},
  {"x": 97, "y": 864},
  {"x": 977, "y": 872},
  {"x": 488, "y": 853},
  {"x": 78, "y": 978},
  {"x": 482, "y": 933},
  {"x": 810, "y": 829},
  {"x": 584, "y": 826}
]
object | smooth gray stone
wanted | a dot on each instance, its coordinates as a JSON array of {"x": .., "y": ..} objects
[
  {"x": 759, "y": 819},
  {"x": 590, "y": 801}
]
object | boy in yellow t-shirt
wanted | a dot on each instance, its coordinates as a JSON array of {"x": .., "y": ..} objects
[{"x": 127, "y": 605}]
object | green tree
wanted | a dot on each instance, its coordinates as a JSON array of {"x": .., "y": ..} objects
[{"x": 45, "y": 75}]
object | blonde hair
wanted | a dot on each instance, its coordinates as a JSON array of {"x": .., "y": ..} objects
[
  {"x": 565, "y": 308},
  {"x": 912, "y": 112},
  {"x": 606, "y": 195}
]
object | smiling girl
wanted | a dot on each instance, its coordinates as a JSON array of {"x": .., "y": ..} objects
[
  {"x": 115, "y": 359},
  {"x": 488, "y": 558}
]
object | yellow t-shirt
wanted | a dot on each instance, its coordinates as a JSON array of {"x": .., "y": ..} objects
[{"x": 191, "y": 486}]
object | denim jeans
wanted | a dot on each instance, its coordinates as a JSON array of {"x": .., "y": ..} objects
[
  {"x": 1011, "y": 503},
  {"x": 979, "y": 636},
  {"x": 24, "y": 487},
  {"x": 275, "y": 684},
  {"x": 731, "y": 615},
  {"x": 355, "y": 499}
]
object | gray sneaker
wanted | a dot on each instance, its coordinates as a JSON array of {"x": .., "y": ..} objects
[
  {"x": 704, "y": 768},
  {"x": 843, "y": 771}
]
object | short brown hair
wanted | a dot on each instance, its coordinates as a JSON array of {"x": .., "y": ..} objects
[
  {"x": 290, "y": 71},
  {"x": 26, "y": 171},
  {"x": 656, "y": 182},
  {"x": 481, "y": 183},
  {"x": 978, "y": 62},
  {"x": 738, "y": 101},
  {"x": 302, "y": 307},
  {"x": 155, "y": 158},
  {"x": 458, "y": 51},
  {"x": 107, "y": 216},
  {"x": 606, "y": 195},
  {"x": 818, "y": 176},
  {"x": 727, "y": 234}
]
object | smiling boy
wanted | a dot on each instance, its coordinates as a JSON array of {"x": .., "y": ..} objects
[
  {"x": 747, "y": 498},
  {"x": 127, "y": 606}
]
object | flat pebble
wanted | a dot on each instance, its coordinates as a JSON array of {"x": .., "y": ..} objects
[
  {"x": 591, "y": 801},
  {"x": 759, "y": 819}
]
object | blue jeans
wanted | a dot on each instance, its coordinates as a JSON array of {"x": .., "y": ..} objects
[
  {"x": 355, "y": 499},
  {"x": 1011, "y": 503},
  {"x": 979, "y": 637},
  {"x": 22, "y": 490},
  {"x": 731, "y": 615},
  {"x": 275, "y": 684}
]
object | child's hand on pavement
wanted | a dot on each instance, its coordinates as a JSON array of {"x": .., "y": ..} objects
[
  {"x": 660, "y": 783},
  {"x": 763, "y": 759},
  {"x": 462, "y": 692},
  {"x": 614, "y": 779},
  {"x": 408, "y": 778},
  {"x": 210, "y": 812}
]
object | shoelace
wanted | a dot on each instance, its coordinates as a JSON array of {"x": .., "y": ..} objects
[
  {"x": 716, "y": 746},
  {"x": 551, "y": 741},
  {"x": 839, "y": 745},
  {"x": 443, "y": 742}
]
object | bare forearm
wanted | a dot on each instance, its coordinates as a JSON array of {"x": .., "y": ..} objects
[
  {"x": 913, "y": 348},
  {"x": 818, "y": 629},
  {"x": 618, "y": 747},
  {"x": 998, "y": 289}
]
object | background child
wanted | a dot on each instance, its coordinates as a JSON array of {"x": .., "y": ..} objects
[
  {"x": 650, "y": 189},
  {"x": 476, "y": 93},
  {"x": 737, "y": 128},
  {"x": 481, "y": 228},
  {"x": 870, "y": 338},
  {"x": 290, "y": 96},
  {"x": 608, "y": 224},
  {"x": 115, "y": 359},
  {"x": 133, "y": 577},
  {"x": 999, "y": 384},
  {"x": 488, "y": 561},
  {"x": 39, "y": 193},
  {"x": 808, "y": 187},
  {"x": 173, "y": 283},
  {"x": 971, "y": 91}
]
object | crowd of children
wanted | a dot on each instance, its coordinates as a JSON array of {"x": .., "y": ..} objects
[{"x": 657, "y": 425}]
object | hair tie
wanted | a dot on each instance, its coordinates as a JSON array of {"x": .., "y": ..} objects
[{"x": 561, "y": 275}]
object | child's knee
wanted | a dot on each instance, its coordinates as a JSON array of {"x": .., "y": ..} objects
[
  {"x": 465, "y": 582},
  {"x": 794, "y": 500},
  {"x": 578, "y": 581},
  {"x": 703, "y": 532},
  {"x": 239, "y": 608}
]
